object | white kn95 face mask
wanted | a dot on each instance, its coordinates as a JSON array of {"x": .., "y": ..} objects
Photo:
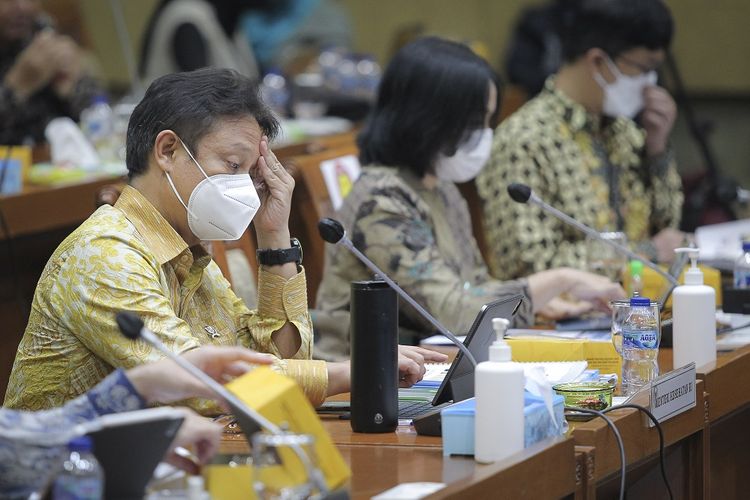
[
  {"x": 469, "y": 159},
  {"x": 624, "y": 96},
  {"x": 221, "y": 206}
]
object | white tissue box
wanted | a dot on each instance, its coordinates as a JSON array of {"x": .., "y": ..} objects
[{"x": 458, "y": 423}]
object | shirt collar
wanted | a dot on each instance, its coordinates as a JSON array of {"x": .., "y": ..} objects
[
  {"x": 574, "y": 114},
  {"x": 158, "y": 234}
]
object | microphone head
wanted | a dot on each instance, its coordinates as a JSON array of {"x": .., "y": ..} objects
[
  {"x": 331, "y": 230},
  {"x": 519, "y": 192},
  {"x": 130, "y": 324}
]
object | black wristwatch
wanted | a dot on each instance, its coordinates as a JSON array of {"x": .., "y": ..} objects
[{"x": 268, "y": 257}]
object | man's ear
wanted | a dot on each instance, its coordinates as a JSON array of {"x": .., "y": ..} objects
[
  {"x": 596, "y": 61},
  {"x": 165, "y": 150}
]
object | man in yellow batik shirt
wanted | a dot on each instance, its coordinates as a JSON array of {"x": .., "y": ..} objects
[
  {"x": 200, "y": 169},
  {"x": 578, "y": 147}
]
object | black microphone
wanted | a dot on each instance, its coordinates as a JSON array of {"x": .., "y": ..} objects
[
  {"x": 333, "y": 232},
  {"x": 249, "y": 420},
  {"x": 521, "y": 193}
]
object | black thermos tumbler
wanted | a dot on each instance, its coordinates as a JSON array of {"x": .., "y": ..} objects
[{"x": 374, "y": 357}]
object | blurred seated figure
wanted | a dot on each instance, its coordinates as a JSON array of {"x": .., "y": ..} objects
[
  {"x": 430, "y": 129},
  {"x": 535, "y": 51},
  {"x": 288, "y": 34},
  {"x": 595, "y": 143},
  {"x": 31, "y": 443},
  {"x": 185, "y": 35},
  {"x": 250, "y": 36},
  {"x": 43, "y": 74}
]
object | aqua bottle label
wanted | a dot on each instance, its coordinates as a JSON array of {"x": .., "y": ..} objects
[
  {"x": 742, "y": 279},
  {"x": 639, "y": 339}
]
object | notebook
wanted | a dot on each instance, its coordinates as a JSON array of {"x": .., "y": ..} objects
[{"x": 458, "y": 381}]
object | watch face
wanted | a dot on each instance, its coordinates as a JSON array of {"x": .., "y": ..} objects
[{"x": 296, "y": 244}]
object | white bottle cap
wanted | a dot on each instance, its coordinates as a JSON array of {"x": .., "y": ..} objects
[
  {"x": 693, "y": 276},
  {"x": 500, "y": 350},
  {"x": 195, "y": 487}
]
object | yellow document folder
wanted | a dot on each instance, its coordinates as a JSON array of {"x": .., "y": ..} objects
[
  {"x": 279, "y": 399},
  {"x": 654, "y": 284},
  {"x": 601, "y": 356}
]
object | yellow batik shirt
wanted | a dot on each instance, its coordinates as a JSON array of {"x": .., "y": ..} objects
[
  {"x": 129, "y": 258},
  {"x": 593, "y": 170}
]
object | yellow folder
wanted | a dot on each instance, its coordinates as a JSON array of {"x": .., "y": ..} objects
[{"x": 279, "y": 399}]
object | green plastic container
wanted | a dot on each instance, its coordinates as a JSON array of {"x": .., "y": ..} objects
[{"x": 588, "y": 395}]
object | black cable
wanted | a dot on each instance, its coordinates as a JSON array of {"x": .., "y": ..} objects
[
  {"x": 618, "y": 437},
  {"x": 661, "y": 438}
]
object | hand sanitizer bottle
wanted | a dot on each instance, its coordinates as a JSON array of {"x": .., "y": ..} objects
[
  {"x": 694, "y": 317},
  {"x": 498, "y": 386}
]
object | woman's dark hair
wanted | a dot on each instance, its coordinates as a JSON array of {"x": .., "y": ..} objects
[
  {"x": 433, "y": 93},
  {"x": 616, "y": 26},
  {"x": 190, "y": 104}
]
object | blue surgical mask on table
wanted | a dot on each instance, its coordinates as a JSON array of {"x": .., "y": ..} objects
[
  {"x": 468, "y": 160},
  {"x": 221, "y": 206},
  {"x": 624, "y": 96}
]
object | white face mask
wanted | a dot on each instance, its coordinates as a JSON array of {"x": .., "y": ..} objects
[
  {"x": 624, "y": 97},
  {"x": 220, "y": 207},
  {"x": 469, "y": 159}
]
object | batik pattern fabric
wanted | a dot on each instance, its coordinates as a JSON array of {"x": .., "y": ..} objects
[
  {"x": 594, "y": 170},
  {"x": 422, "y": 237},
  {"x": 127, "y": 257}
]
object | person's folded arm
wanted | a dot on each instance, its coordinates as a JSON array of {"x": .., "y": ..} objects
[
  {"x": 31, "y": 442},
  {"x": 283, "y": 301}
]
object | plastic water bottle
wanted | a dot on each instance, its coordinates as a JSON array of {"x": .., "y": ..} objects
[
  {"x": 81, "y": 478},
  {"x": 640, "y": 346},
  {"x": 329, "y": 60},
  {"x": 275, "y": 92},
  {"x": 369, "y": 77},
  {"x": 98, "y": 124},
  {"x": 742, "y": 267}
]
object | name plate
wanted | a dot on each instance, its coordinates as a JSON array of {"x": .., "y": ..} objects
[{"x": 673, "y": 393}]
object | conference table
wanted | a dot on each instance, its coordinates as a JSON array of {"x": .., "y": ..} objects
[
  {"x": 707, "y": 452},
  {"x": 707, "y": 447}
]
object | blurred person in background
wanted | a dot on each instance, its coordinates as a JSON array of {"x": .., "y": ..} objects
[
  {"x": 250, "y": 36},
  {"x": 594, "y": 143},
  {"x": 430, "y": 129},
  {"x": 43, "y": 74}
]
